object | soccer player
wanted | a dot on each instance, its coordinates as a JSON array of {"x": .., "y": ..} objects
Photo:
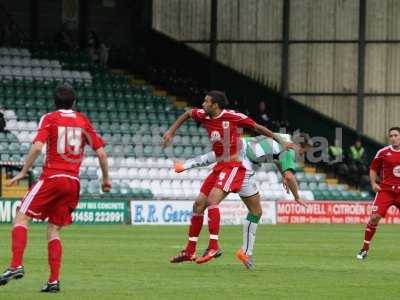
[
  {"x": 228, "y": 174},
  {"x": 56, "y": 194},
  {"x": 256, "y": 150},
  {"x": 386, "y": 164}
]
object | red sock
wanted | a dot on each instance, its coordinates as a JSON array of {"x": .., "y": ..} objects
[
  {"x": 196, "y": 223},
  {"x": 54, "y": 248},
  {"x": 213, "y": 226},
  {"x": 369, "y": 234},
  {"x": 19, "y": 237}
]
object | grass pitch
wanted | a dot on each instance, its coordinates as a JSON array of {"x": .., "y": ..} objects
[{"x": 292, "y": 262}]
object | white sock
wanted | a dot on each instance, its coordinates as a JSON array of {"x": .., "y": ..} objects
[{"x": 249, "y": 236}]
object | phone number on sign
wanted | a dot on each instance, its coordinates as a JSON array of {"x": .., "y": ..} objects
[{"x": 98, "y": 217}]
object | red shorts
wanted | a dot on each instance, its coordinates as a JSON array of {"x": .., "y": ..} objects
[
  {"x": 225, "y": 176},
  {"x": 383, "y": 200},
  {"x": 54, "y": 197}
]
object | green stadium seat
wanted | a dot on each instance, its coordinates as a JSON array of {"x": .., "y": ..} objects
[
  {"x": 139, "y": 151},
  {"x": 13, "y": 148},
  {"x": 89, "y": 94},
  {"x": 5, "y": 157},
  {"x": 178, "y": 151},
  {"x": 147, "y": 193},
  {"x": 300, "y": 176},
  {"x": 303, "y": 186},
  {"x": 12, "y": 138},
  {"x": 116, "y": 138},
  {"x": 130, "y": 106},
  {"x": 188, "y": 152},
  {"x": 322, "y": 185},
  {"x": 317, "y": 194},
  {"x": 327, "y": 195},
  {"x": 124, "y": 127},
  {"x": 136, "y": 192},
  {"x": 148, "y": 151},
  {"x": 147, "y": 139},
  {"x": 336, "y": 195},
  {"x": 103, "y": 116},
  {"x": 111, "y": 106},
  {"x": 197, "y": 151},
  {"x": 310, "y": 177},
  {"x": 144, "y": 128}
]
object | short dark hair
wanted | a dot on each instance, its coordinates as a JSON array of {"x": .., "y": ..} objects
[
  {"x": 219, "y": 97},
  {"x": 64, "y": 96},
  {"x": 394, "y": 128}
]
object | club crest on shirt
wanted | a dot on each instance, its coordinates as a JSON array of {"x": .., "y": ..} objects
[
  {"x": 396, "y": 171},
  {"x": 225, "y": 124},
  {"x": 215, "y": 136}
]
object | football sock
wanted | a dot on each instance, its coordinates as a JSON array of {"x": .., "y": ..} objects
[
  {"x": 196, "y": 223},
  {"x": 213, "y": 226},
  {"x": 249, "y": 233},
  {"x": 19, "y": 237},
  {"x": 369, "y": 234},
  {"x": 54, "y": 248}
]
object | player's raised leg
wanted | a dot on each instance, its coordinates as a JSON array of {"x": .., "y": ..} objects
[
  {"x": 214, "y": 219},
  {"x": 196, "y": 224},
  {"x": 54, "y": 250},
  {"x": 245, "y": 254},
  {"x": 228, "y": 179}
]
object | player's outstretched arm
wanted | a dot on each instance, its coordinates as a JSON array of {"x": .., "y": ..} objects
[
  {"x": 33, "y": 154},
  {"x": 103, "y": 161},
  {"x": 196, "y": 162},
  {"x": 169, "y": 134},
  {"x": 290, "y": 181}
]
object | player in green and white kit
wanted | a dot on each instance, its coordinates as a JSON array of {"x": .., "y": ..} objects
[{"x": 256, "y": 150}]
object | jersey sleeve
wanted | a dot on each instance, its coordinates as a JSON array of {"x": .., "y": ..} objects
[
  {"x": 376, "y": 163},
  {"x": 287, "y": 160},
  {"x": 92, "y": 138},
  {"x": 245, "y": 121},
  {"x": 43, "y": 130},
  {"x": 201, "y": 160},
  {"x": 198, "y": 114}
]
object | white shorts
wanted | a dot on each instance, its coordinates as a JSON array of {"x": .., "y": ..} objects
[{"x": 249, "y": 187}]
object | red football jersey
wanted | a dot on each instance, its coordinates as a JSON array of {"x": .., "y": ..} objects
[
  {"x": 65, "y": 133},
  {"x": 224, "y": 130},
  {"x": 387, "y": 164}
]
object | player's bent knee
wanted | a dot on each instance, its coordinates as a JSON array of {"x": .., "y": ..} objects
[
  {"x": 53, "y": 231},
  {"x": 199, "y": 207},
  {"x": 257, "y": 213},
  {"x": 21, "y": 219},
  {"x": 375, "y": 218}
]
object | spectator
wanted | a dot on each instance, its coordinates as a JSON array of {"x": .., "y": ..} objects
[
  {"x": 261, "y": 115},
  {"x": 356, "y": 158},
  {"x": 93, "y": 46},
  {"x": 103, "y": 53},
  {"x": 65, "y": 39},
  {"x": 98, "y": 51},
  {"x": 336, "y": 161}
]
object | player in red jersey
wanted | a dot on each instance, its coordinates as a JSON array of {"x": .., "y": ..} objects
[
  {"x": 228, "y": 174},
  {"x": 56, "y": 194},
  {"x": 386, "y": 164}
]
